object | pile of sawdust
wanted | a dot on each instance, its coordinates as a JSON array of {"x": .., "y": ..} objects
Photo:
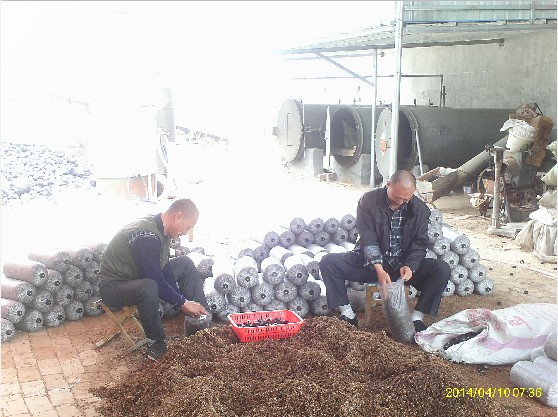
[{"x": 328, "y": 369}]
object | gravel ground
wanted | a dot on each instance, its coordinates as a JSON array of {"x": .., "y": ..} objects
[{"x": 328, "y": 369}]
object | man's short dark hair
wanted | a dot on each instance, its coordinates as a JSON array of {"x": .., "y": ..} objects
[
  {"x": 403, "y": 175},
  {"x": 184, "y": 205}
]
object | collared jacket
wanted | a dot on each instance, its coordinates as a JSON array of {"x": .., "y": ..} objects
[{"x": 372, "y": 222}]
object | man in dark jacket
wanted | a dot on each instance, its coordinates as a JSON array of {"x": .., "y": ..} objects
[
  {"x": 392, "y": 225},
  {"x": 136, "y": 270}
]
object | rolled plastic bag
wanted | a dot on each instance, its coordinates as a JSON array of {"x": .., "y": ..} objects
[
  {"x": 298, "y": 249},
  {"x": 296, "y": 271},
  {"x": 26, "y": 270},
  {"x": 15, "y": 289},
  {"x": 319, "y": 306},
  {"x": 451, "y": 258},
  {"x": 300, "y": 306},
  {"x": 315, "y": 225},
  {"x": 546, "y": 363},
  {"x": 528, "y": 375},
  {"x": 285, "y": 291},
  {"x": 275, "y": 305},
  {"x": 470, "y": 259},
  {"x": 54, "y": 317},
  {"x": 216, "y": 301},
  {"x": 321, "y": 238},
  {"x": 304, "y": 239},
  {"x": 92, "y": 308},
  {"x": 435, "y": 216},
  {"x": 239, "y": 296},
  {"x": 465, "y": 288},
  {"x": 550, "y": 346},
  {"x": 271, "y": 239},
  {"x": 434, "y": 232},
  {"x": 32, "y": 321},
  {"x": 396, "y": 310},
  {"x": 8, "y": 330},
  {"x": 11, "y": 310},
  {"x": 52, "y": 258},
  {"x": 459, "y": 274},
  {"x": 441, "y": 246},
  {"x": 246, "y": 271},
  {"x": 485, "y": 287},
  {"x": 312, "y": 265},
  {"x": 477, "y": 273},
  {"x": 262, "y": 293},
  {"x": 310, "y": 290},
  {"x": 459, "y": 243},
  {"x": 54, "y": 280},
  {"x": 347, "y": 222},
  {"x": 450, "y": 289},
  {"x": 535, "y": 353},
  {"x": 223, "y": 272},
  {"x": 273, "y": 271}
]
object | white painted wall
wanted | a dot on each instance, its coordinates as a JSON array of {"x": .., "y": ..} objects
[{"x": 522, "y": 70}]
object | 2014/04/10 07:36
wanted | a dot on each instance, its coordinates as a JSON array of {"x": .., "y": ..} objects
[{"x": 492, "y": 392}]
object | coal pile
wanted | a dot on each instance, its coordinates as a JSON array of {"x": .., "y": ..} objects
[
  {"x": 37, "y": 172},
  {"x": 328, "y": 369}
]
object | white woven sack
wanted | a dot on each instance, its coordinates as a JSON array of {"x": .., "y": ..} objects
[{"x": 507, "y": 335}]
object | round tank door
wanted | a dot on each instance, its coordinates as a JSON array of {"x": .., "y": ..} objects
[
  {"x": 406, "y": 148},
  {"x": 346, "y": 136},
  {"x": 290, "y": 130}
]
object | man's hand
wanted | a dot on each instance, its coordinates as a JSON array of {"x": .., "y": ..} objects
[
  {"x": 383, "y": 277},
  {"x": 193, "y": 309},
  {"x": 405, "y": 272}
]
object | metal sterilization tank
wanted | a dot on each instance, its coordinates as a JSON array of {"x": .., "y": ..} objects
[{"x": 446, "y": 137}]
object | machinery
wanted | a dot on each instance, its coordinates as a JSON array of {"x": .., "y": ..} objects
[{"x": 509, "y": 186}]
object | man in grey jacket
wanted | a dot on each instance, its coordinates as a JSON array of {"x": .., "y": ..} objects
[{"x": 392, "y": 224}]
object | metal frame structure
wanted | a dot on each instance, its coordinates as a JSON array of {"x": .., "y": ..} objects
[{"x": 410, "y": 29}]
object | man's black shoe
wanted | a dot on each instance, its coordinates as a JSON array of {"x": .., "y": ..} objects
[
  {"x": 419, "y": 326},
  {"x": 352, "y": 321},
  {"x": 156, "y": 350}
]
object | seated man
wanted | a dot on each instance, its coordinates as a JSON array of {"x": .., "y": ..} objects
[
  {"x": 392, "y": 225},
  {"x": 136, "y": 270}
]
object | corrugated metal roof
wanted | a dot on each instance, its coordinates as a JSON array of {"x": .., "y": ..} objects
[{"x": 439, "y": 23}]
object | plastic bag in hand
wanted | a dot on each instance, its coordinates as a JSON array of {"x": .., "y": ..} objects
[{"x": 396, "y": 310}]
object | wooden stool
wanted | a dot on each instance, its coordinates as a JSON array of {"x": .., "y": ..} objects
[
  {"x": 118, "y": 326},
  {"x": 372, "y": 299}
]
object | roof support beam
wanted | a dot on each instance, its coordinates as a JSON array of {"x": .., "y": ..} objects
[{"x": 354, "y": 74}]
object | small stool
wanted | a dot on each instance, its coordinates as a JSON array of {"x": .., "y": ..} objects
[
  {"x": 373, "y": 298},
  {"x": 118, "y": 326}
]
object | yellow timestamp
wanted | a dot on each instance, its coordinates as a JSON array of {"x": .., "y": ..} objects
[{"x": 492, "y": 392}]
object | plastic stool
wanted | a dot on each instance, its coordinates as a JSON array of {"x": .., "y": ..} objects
[{"x": 118, "y": 326}]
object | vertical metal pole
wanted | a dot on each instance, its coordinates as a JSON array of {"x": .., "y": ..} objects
[
  {"x": 373, "y": 133},
  {"x": 498, "y": 156},
  {"x": 441, "y": 89},
  {"x": 396, "y": 94}
]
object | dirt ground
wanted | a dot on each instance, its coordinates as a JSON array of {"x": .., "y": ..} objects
[{"x": 235, "y": 207}]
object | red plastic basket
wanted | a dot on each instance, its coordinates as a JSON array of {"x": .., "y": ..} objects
[{"x": 253, "y": 334}]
